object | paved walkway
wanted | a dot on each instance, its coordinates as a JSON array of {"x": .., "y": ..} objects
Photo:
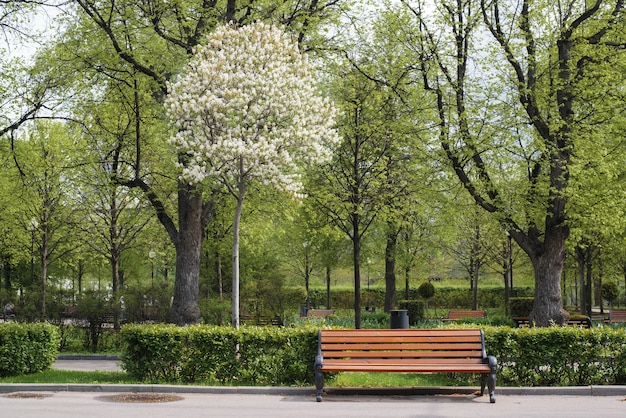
[{"x": 157, "y": 401}]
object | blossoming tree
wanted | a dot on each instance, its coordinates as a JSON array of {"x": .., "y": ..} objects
[{"x": 247, "y": 109}]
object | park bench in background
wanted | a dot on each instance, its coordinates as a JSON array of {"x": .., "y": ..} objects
[
  {"x": 615, "y": 316},
  {"x": 575, "y": 321},
  {"x": 319, "y": 313},
  {"x": 404, "y": 351},
  {"x": 456, "y": 314},
  {"x": 262, "y": 320}
]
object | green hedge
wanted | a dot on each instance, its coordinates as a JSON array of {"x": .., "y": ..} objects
[
  {"x": 27, "y": 348},
  {"x": 553, "y": 356},
  {"x": 209, "y": 354},
  {"x": 558, "y": 356},
  {"x": 445, "y": 297}
]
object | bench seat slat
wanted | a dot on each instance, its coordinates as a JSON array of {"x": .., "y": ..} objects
[{"x": 405, "y": 368}]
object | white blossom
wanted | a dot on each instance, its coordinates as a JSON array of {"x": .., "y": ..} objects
[{"x": 249, "y": 94}]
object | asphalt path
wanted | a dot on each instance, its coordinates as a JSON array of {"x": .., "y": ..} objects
[{"x": 118, "y": 405}]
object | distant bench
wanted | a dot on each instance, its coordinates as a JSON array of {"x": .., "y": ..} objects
[
  {"x": 262, "y": 320},
  {"x": 582, "y": 321},
  {"x": 404, "y": 350},
  {"x": 319, "y": 313},
  {"x": 456, "y": 314},
  {"x": 615, "y": 316}
]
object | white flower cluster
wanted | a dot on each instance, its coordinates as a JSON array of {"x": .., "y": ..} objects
[{"x": 247, "y": 108}]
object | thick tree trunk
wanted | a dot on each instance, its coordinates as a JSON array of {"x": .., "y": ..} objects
[
  {"x": 185, "y": 308},
  {"x": 548, "y": 266}
]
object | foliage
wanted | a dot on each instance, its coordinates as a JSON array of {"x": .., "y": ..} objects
[
  {"x": 446, "y": 297},
  {"x": 247, "y": 107},
  {"x": 27, "y": 348},
  {"x": 415, "y": 310},
  {"x": 248, "y": 355},
  {"x": 521, "y": 306},
  {"x": 610, "y": 291},
  {"x": 426, "y": 290},
  {"x": 553, "y": 356},
  {"x": 558, "y": 356}
]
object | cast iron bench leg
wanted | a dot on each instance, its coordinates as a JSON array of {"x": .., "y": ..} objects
[
  {"x": 491, "y": 380},
  {"x": 319, "y": 378}
]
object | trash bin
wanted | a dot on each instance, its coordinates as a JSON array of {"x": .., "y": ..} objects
[{"x": 399, "y": 319}]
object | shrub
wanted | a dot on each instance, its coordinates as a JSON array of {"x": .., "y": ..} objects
[
  {"x": 415, "y": 310},
  {"x": 521, "y": 307},
  {"x": 558, "y": 356},
  {"x": 27, "y": 348},
  {"x": 249, "y": 355}
]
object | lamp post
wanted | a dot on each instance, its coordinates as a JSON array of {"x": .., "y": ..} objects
[
  {"x": 367, "y": 308},
  {"x": 508, "y": 234},
  {"x": 152, "y": 256},
  {"x": 32, "y": 227}
]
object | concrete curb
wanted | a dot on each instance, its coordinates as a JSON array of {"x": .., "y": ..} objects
[{"x": 310, "y": 391}]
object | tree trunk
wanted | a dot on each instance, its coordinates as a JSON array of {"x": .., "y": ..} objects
[
  {"x": 548, "y": 266},
  {"x": 185, "y": 309},
  {"x": 327, "y": 287},
  {"x": 356, "y": 250},
  {"x": 235, "y": 257},
  {"x": 390, "y": 271}
]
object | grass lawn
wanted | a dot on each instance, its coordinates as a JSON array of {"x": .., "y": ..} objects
[
  {"x": 338, "y": 380},
  {"x": 69, "y": 376}
]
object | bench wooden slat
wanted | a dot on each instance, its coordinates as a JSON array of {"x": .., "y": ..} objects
[
  {"x": 407, "y": 347},
  {"x": 389, "y": 333},
  {"x": 616, "y": 315},
  {"x": 404, "y": 350},
  {"x": 404, "y": 354},
  {"x": 456, "y": 314}
]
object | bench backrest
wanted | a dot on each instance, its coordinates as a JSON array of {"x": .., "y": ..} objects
[
  {"x": 402, "y": 343},
  {"x": 460, "y": 314},
  {"x": 617, "y": 315},
  {"x": 319, "y": 313}
]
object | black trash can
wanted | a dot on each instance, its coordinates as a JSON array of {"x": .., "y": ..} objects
[{"x": 399, "y": 319}]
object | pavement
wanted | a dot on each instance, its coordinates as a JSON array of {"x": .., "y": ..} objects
[{"x": 155, "y": 401}]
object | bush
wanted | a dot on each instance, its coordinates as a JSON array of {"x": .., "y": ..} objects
[
  {"x": 521, "y": 307},
  {"x": 415, "y": 310},
  {"x": 209, "y": 354},
  {"x": 558, "y": 356},
  {"x": 27, "y": 348}
]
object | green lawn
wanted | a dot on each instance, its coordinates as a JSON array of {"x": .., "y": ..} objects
[{"x": 339, "y": 380}]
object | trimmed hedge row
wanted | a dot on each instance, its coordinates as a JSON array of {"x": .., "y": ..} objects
[
  {"x": 27, "y": 348},
  {"x": 209, "y": 354},
  {"x": 284, "y": 356},
  {"x": 452, "y": 298},
  {"x": 558, "y": 356}
]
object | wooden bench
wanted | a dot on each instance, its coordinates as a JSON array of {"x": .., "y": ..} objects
[
  {"x": 455, "y": 315},
  {"x": 405, "y": 351},
  {"x": 261, "y": 321},
  {"x": 616, "y": 316},
  {"x": 580, "y": 321},
  {"x": 319, "y": 313}
]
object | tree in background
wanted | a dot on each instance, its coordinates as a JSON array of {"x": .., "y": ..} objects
[
  {"x": 247, "y": 110},
  {"x": 518, "y": 144}
]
